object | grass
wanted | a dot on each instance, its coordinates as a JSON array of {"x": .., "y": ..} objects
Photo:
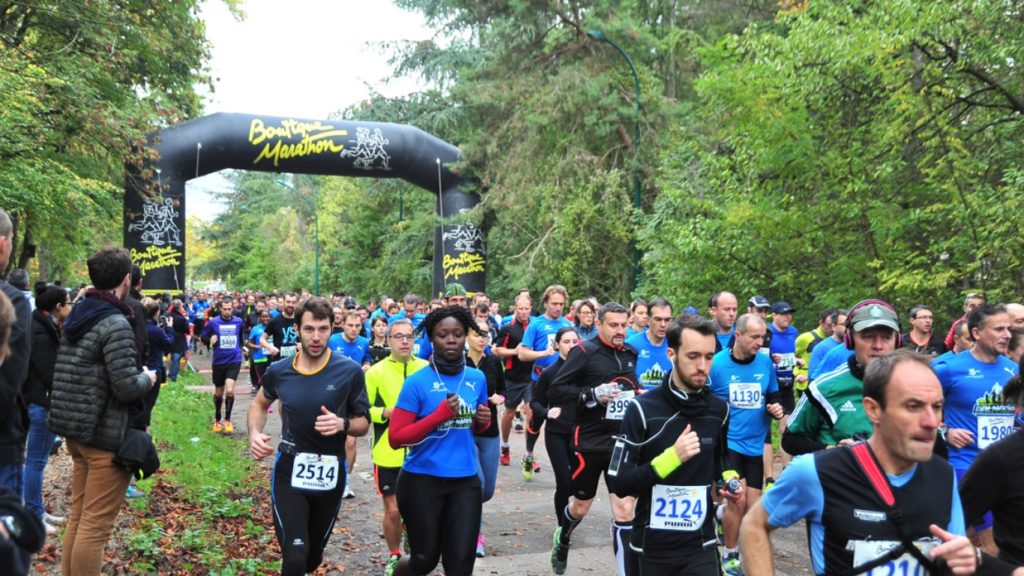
[{"x": 201, "y": 515}]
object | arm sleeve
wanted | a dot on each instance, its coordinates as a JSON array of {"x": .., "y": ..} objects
[
  {"x": 405, "y": 429},
  {"x": 983, "y": 485},
  {"x": 635, "y": 477},
  {"x": 721, "y": 447},
  {"x": 539, "y": 398},
  {"x": 126, "y": 381},
  {"x": 564, "y": 388},
  {"x": 269, "y": 383}
]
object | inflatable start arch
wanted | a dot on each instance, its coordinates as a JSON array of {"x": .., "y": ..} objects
[{"x": 154, "y": 201}]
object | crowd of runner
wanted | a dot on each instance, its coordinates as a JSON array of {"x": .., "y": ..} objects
[{"x": 896, "y": 444}]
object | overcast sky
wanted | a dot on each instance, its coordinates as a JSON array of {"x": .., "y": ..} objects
[{"x": 301, "y": 58}]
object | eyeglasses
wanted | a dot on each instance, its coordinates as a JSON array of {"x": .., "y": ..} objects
[{"x": 402, "y": 337}]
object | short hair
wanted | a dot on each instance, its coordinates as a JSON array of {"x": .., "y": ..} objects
[
  {"x": 49, "y": 298},
  {"x": 981, "y": 314},
  {"x": 960, "y": 328},
  {"x": 226, "y": 299},
  {"x": 674, "y": 334},
  {"x": 151, "y": 305},
  {"x": 522, "y": 296},
  {"x": 638, "y": 303},
  {"x": 713, "y": 300},
  {"x": 975, "y": 296},
  {"x": 7, "y": 319},
  {"x": 136, "y": 275},
  {"x": 744, "y": 321},
  {"x": 610, "y": 308},
  {"x": 396, "y": 322},
  {"x": 381, "y": 318},
  {"x": 554, "y": 289},
  {"x": 350, "y": 313},
  {"x": 108, "y": 267},
  {"x": 879, "y": 372},
  {"x": 18, "y": 278},
  {"x": 837, "y": 313},
  {"x": 919, "y": 308},
  {"x": 826, "y": 314},
  {"x": 658, "y": 302},
  {"x": 482, "y": 307},
  {"x": 318, "y": 306}
]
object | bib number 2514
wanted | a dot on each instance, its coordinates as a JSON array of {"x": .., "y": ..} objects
[{"x": 315, "y": 472}]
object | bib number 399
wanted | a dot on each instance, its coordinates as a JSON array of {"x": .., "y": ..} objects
[
  {"x": 681, "y": 508},
  {"x": 617, "y": 406},
  {"x": 315, "y": 472}
]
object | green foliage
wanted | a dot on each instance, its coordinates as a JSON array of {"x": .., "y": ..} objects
[{"x": 79, "y": 80}]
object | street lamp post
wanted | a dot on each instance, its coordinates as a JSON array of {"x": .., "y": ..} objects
[
  {"x": 316, "y": 233},
  {"x": 600, "y": 37}
]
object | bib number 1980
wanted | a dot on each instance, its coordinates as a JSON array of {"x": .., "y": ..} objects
[{"x": 315, "y": 471}]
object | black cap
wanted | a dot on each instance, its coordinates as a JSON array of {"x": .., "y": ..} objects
[
  {"x": 782, "y": 307},
  {"x": 759, "y": 302}
]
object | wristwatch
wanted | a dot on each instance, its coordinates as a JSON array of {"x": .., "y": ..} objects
[{"x": 12, "y": 525}]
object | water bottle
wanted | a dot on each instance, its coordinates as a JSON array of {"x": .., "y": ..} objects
[{"x": 733, "y": 486}]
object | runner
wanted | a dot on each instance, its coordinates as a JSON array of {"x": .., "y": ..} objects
[
  {"x": 805, "y": 345},
  {"x": 652, "y": 352},
  {"x": 847, "y": 495},
  {"x": 383, "y": 384},
  {"x": 783, "y": 353},
  {"x": 379, "y": 344},
  {"x": 486, "y": 440},
  {"x": 722, "y": 308},
  {"x": 669, "y": 456},
  {"x": 972, "y": 382},
  {"x": 831, "y": 413},
  {"x": 259, "y": 360},
  {"x": 638, "y": 318},
  {"x": 224, "y": 334},
  {"x": 920, "y": 338},
  {"x": 517, "y": 374},
  {"x": 282, "y": 330},
  {"x": 560, "y": 421},
  {"x": 437, "y": 413},
  {"x": 746, "y": 380},
  {"x": 323, "y": 400},
  {"x": 600, "y": 375}
]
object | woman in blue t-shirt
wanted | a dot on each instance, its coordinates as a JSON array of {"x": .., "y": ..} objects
[{"x": 437, "y": 414}]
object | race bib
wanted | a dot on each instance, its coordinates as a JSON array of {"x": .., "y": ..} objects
[
  {"x": 616, "y": 409},
  {"x": 991, "y": 429},
  {"x": 787, "y": 361},
  {"x": 744, "y": 395},
  {"x": 228, "y": 341},
  {"x": 288, "y": 351},
  {"x": 865, "y": 551},
  {"x": 680, "y": 508},
  {"x": 314, "y": 472}
]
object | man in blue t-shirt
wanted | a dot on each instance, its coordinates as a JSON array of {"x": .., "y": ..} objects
[
  {"x": 835, "y": 493},
  {"x": 972, "y": 382},
  {"x": 746, "y": 380},
  {"x": 538, "y": 340},
  {"x": 351, "y": 345},
  {"x": 652, "y": 363},
  {"x": 722, "y": 307},
  {"x": 783, "y": 353},
  {"x": 828, "y": 344}
]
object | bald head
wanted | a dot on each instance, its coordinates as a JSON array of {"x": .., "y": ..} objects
[{"x": 1016, "y": 312}]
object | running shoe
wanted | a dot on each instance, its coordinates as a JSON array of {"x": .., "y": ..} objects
[
  {"x": 392, "y": 562},
  {"x": 217, "y": 426},
  {"x": 133, "y": 492},
  {"x": 348, "y": 493},
  {"x": 536, "y": 466},
  {"x": 50, "y": 530},
  {"x": 480, "y": 552},
  {"x": 228, "y": 427},
  {"x": 559, "y": 553},
  {"x": 506, "y": 456},
  {"x": 56, "y": 445},
  {"x": 732, "y": 566},
  {"x": 528, "y": 463},
  {"x": 254, "y": 390}
]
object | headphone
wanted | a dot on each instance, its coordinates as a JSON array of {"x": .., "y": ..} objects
[{"x": 848, "y": 337}]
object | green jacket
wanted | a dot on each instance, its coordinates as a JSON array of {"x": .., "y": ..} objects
[{"x": 832, "y": 409}]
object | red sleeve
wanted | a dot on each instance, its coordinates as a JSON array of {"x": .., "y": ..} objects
[{"x": 405, "y": 430}]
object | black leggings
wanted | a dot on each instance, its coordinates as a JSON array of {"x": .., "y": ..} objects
[
  {"x": 442, "y": 516},
  {"x": 256, "y": 372},
  {"x": 303, "y": 519},
  {"x": 561, "y": 454}
]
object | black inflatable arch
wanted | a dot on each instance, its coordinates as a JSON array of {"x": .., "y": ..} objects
[{"x": 154, "y": 202}]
